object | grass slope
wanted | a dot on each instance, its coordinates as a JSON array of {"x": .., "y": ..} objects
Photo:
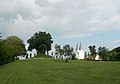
[{"x": 51, "y": 71}]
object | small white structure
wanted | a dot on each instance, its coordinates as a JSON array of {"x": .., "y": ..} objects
[
  {"x": 31, "y": 53},
  {"x": 80, "y": 53},
  {"x": 97, "y": 57},
  {"x": 51, "y": 52},
  {"x": 34, "y": 52},
  {"x": 21, "y": 57}
]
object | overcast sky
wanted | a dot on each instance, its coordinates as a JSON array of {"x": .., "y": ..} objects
[{"x": 69, "y": 21}]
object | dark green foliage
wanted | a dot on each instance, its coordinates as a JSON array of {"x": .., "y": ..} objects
[
  {"x": 1, "y": 51},
  {"x": 10, "y": 48},
  {"x": 73, "y": 56},
  {"x": 115, "y": 54},
  {"x": 59, "y": 50},
  {"x": 68, "y": 50},
  {"x": 15, "y": 45},
  {"x": 85, "y": 55},
  {"x": 1, "y": 56},
  {"x": 103, "y": 53},
  {"x": 93, "y": 52},
  {"x": 0, "y": 36},
  {"x": 41, "y": 41}
]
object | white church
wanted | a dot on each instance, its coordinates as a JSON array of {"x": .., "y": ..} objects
[{"x": 80, "y": 53}]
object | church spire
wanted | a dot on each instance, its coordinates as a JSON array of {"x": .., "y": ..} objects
[
  {"x": 77, "y": 47},
  {"x": 80, "y": 47}
]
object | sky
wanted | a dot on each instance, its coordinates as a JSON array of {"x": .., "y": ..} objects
[{"x": 91, "y": 22}]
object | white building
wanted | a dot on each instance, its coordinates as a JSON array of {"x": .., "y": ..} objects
[
  {"x": 97, "y": 57},
  {"x": 52, "y": 52},
  {"x": 32, "y": 53},
  {"x": 80, "y": 53}
]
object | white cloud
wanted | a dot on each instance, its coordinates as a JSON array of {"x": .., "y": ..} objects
[
  {"x": 116, "y": 41},
  {"x": 66, "y": 18},
  {"x": 54, "y": 1}
]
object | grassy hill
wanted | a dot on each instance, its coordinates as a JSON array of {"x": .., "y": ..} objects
[
  {"x": 51, "y": 71},
  {"x": 42, "y": 56}
]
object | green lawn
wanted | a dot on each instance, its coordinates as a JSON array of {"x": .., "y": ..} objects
[{"x": 51, "y": 71}]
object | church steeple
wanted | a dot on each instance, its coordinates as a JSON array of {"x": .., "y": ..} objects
[
  {"x": 77, "y": 47},
  {"x": 80, "y": 47},
  {"x": 80, "y": 54}
]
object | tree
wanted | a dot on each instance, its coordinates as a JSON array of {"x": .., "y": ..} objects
[
  {"x": 85, "y": 55},
  {"x": 41, "y": 41},
  {"x": 92, "y": 51},
  {"x": 115, "y": 54},
  {"x": 103, "y": 53},
  {"x": 1, "y": 56},
  {"x": 0, "y": 36},
  {"x": 12, "y": 46},
  {"x": 68, "y": 50},
  {"x": 59, "y": 50}
]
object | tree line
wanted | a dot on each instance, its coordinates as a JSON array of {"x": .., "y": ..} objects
[
  {"x": 67, "y": 50},
  {"x": 104, "y": 53},
  {"x": 41, "y": 41},
  {"x": 13, "y": 46}
]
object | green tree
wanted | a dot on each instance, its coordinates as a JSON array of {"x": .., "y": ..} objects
[
  {"x": 0, "y": 36},
  {"x": 92, "y": 51},
  {"x": 85, "y": 55},
  {"x": 12, "y": 46},
  {"x": 115, "y": 54},
  {"x": 41, "y": 41},
  {"x": 59, "y": 50},
  {"x": 17, "y": 44},
  {"x": 103, "y": 53},
  {"x": 1, "y": 56},
  {"x": 68, "y": 50}
]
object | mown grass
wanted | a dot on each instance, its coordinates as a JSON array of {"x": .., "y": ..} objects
[
  {"x": 42, "y": 56},
  {"x": 51, "y": 71}
]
